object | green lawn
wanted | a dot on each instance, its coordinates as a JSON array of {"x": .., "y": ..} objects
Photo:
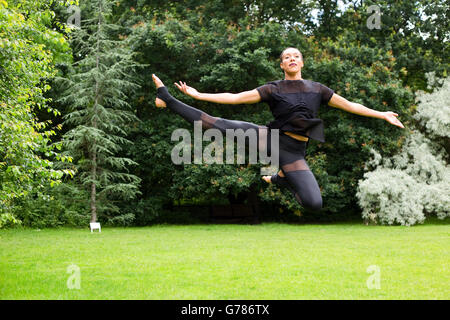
[{"x": 268, "y": 261}]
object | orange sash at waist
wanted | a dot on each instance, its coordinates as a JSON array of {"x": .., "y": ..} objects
[{"x": 296, "y": 136}]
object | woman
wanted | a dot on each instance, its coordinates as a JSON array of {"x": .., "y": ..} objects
[{"x": 294, "y": 102}]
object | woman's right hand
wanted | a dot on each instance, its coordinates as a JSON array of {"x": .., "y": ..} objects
[{"x": 187, "y": 90}]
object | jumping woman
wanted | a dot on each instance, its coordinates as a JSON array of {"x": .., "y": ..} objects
[{"x": 294, "y": 103}]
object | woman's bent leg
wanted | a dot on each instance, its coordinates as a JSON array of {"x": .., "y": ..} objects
[
  {"x": 307, "y": 191},
  {"x": 301, "y": 180}
]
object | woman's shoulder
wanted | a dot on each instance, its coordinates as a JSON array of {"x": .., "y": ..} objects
[
  {"x": 312, "y": 82},
  {"x": 273, "y": 83},
  {"x": 314, "y": 86}
]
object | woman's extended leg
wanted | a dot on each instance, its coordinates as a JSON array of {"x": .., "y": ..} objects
[{"x": 192, "y": 114}]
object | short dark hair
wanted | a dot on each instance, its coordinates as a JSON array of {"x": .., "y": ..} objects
[{"x": 281, "y": 55}]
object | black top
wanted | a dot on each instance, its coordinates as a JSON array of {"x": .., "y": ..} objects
[{"x": 295, "y": 104}]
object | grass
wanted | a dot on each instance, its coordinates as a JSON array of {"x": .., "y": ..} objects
[{"x": 268, "y": 261}]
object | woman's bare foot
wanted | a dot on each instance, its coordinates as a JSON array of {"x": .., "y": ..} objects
[
  {"x": 268, "y": 179},
  {"x": 158, "y": 83}
]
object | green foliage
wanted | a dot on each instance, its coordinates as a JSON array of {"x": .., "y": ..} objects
[
  {"x": 7, "y": 220},
  {"x": 228, "y": 57},
  {"x": 415, "y": 182},
  {"x": 97, "y": 92},
  {"x": 62, "y": 205},
  {"x": 28, "y": 48},
  {"x": 238, "y": 63},
  {"x": 215, "y": 46},
  {"x": 415, "y": 31}
]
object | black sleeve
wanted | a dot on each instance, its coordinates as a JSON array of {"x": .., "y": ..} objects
[
  {"x": 326, "y": 93},
  {"x": 265, "y": 91}
]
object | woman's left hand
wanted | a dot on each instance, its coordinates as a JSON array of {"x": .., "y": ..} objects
[{"x": 391, "y": 117}]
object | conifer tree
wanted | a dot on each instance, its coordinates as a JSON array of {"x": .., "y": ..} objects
[{"x": 97, "y": 93}]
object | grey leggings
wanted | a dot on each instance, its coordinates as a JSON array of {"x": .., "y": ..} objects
[{"x": 298, "y": 177}]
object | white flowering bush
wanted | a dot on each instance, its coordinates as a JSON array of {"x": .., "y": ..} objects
[
  {"x": 433, "y": 111},
  {"x": 416, "y": 182},
  {"x": 388, "y": 196}
]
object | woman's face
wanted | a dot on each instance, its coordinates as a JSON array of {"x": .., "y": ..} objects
[{"x": 291, "y": 61}]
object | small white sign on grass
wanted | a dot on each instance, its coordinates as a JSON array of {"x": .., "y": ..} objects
[{"x": 95, "y": 225}]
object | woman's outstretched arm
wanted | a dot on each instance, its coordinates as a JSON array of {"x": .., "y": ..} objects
[
  {"x": 339, "y": 102},
  {"x": 251, "y": 96}
]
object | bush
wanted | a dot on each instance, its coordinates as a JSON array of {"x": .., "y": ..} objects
[
  {"x": 415, "y": 182},
  {"x": 389, "y": 196},
  {"x": 433, "y": 115},
  {"x": 124, "y": 220},
  {"x": 7, "y": 220},
  {"x": 61, "y": 205}
]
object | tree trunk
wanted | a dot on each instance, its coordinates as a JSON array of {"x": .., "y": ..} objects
[
  {"x": 93, "y": 190},
  {"x": 94, "y": 124}
]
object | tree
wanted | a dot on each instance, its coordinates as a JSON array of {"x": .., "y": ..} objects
[
  {"x": 416, "y": 32},
  {"x": 97, "y": 92},
  {"x": 29, "y": 48}
]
